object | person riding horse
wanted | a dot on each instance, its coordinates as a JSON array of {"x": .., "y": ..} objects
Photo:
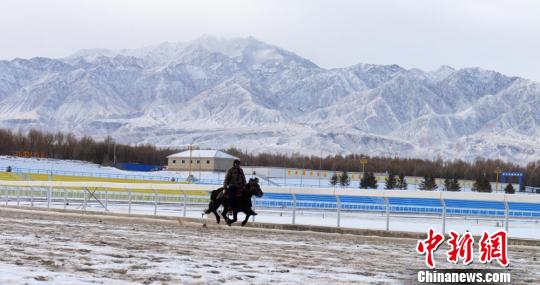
[{"x": 235, "y": 181}]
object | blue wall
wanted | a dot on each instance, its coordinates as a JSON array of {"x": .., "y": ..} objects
[{"x": 138, "y": 167}]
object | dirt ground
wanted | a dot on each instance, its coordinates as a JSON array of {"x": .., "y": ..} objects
[{"x": 40, "y": 247}]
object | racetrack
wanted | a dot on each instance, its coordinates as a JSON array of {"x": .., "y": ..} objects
[{"x": 41, "y": 247}]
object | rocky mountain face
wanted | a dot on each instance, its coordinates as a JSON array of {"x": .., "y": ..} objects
[{"x": 241, "y": 92}]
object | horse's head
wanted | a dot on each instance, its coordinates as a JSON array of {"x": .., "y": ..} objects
[{"x": 254, "y": 187}]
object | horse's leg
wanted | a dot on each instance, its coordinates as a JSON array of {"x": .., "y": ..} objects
[
  {"x": 214, "y": 210},
  {"x": 210, "y": 207},
  {"x": 234, "y": 219},
  {"x": 224, "y": 212},
  {"x": 248, "y": 214}
]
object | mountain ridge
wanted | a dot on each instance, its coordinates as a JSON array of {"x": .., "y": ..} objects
[{"x": 241, "y": 92}]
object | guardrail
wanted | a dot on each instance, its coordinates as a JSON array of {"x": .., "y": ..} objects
[
  {"x": 176, "y": 178},
  {"x": 439, "y": 205},
  {"x": 19, "y": 170}
]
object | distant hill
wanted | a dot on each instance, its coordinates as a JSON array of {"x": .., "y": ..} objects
[{"x": 254, "y": 96}]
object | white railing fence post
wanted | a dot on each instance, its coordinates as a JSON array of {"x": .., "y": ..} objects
[
  {"x": 18, "y": 196},
  {"x": 31, "y": 197},
  {"x": 6, "y": 194},
  {"x": 185, "y": 203},
  {"x": 254, "y": 204},
  {"x": 443, "y": 204},
  {"x": 387, "y": 203},
  {"x": 65, "y": 198},
  {"x": 155, "y": 202},
  {"x": 129, "y": 202},
  {"x": 85, "y": 199},
  {"x": 106, "y": 200},
  {"x": 294, "y": 209},
  {"x": 338, "y": 205},
  {"x": 49, "y": 194},
  {"x": 506, "y": 215}
]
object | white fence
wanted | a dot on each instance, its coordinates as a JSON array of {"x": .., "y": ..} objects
[{"x": 45, "y": 193}]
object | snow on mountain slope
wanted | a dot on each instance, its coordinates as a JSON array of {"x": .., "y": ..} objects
[{"x": 217, "y": 92}]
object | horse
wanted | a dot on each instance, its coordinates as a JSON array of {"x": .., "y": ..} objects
[{"x": 242, "y": 203}]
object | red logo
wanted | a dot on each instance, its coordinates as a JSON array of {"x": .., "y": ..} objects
[
  {"x": 429, "y": 246},
  {"x": 491, "y": 247},
  {"x": 460, "y": 247},
  {"x": 494, "y": 247}
]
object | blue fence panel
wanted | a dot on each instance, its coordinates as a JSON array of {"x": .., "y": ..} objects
[
  {"x": 361, "y": 199},
  {"x": 528, "y": 210},
  {"x": 362, "y": 203},
  {"x": 425, "y": 202},
  {"x": 318, "y": 198},
  {"x": 524, "y": 206},
  {"x": 474, "y": 207},
  {"x": 473, "y": 204},
  {"x": 277, "y": 196},
  {"x": 415, "y": 205}
]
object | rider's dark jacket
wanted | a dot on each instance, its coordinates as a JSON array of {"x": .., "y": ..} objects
[{"x": 235, "y": 177}]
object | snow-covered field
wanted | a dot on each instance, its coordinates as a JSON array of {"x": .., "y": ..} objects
[{"x": 65, "y": 248}]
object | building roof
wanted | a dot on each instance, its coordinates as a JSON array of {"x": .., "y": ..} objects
[{"x": 205, "y": 153}]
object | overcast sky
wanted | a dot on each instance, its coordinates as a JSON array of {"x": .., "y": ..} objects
[{"x": 499, "y": 35}]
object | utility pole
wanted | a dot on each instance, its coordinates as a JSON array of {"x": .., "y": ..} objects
[
  {"x": 302, "y": 173},
  {"x": 190, "y": 160},
  {"x": 114, "y": 154},
  {"x": 320, "y": 169},
  {"x": 363, "y": 162},
  {"x": 497, "y": 172}
]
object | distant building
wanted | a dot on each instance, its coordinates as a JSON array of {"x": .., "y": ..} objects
[{"x": 206, "y": 160}]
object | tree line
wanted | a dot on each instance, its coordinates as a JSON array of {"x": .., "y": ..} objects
[
  {"x": 68, "y": 146},
  {"x": 438, "y": 168},
  {"x": 398, "y": 182}
]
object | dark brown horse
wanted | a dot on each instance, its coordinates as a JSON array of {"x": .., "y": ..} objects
[{"x": 241, "y": 203}]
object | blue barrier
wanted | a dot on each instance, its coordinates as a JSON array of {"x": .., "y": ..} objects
[
  {"x": 138, "y": 167},
  {"x": 400, "y": 205},
  {"x": 453, "y": 203}
]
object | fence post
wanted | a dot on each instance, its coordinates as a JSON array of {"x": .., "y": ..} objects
[
  {"x": 443, "y": 204},
  {"x": 294, "y": 209},
  {"x": 18, "y": 196},
  {"x": 506, "y": 215},
  {"x": 106, "y": 200},
  {"x": 85, "y": 199},
  {"x": 155, "y": 202},
  {"x": 129, "y": 202},
  {"x": 49, "y": 190},
  {"x": 6, "y": 194},
  {"x": 254, "y": 204},
  {"x": 65, "y": 198},
  {"x": 387, "y": 213},
  {"x": 185, "y": 202},
  {"x": 338, "y": 204},
  {"x": 31, "y": 197}
]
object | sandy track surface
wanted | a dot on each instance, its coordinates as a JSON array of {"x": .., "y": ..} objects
[{"x": 55, "y": 248}]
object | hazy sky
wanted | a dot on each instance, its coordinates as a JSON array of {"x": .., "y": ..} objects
[{"x": 499, "y": 35}]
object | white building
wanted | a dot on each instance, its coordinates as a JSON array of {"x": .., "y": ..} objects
[{"x": 205, "y": 160}]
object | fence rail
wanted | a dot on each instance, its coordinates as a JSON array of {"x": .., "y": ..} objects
[{"x": 186, "y": 197}]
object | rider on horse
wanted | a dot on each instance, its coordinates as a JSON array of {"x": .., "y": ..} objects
[
  {"x": 235, "y": 195},
  {"x": 235, "y": 181}
]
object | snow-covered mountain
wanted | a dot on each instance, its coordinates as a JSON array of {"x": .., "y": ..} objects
[{"x": 241, "y": 92}]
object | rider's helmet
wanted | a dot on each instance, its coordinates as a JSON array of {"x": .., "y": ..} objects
[{"x": 236, "y": 162}]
